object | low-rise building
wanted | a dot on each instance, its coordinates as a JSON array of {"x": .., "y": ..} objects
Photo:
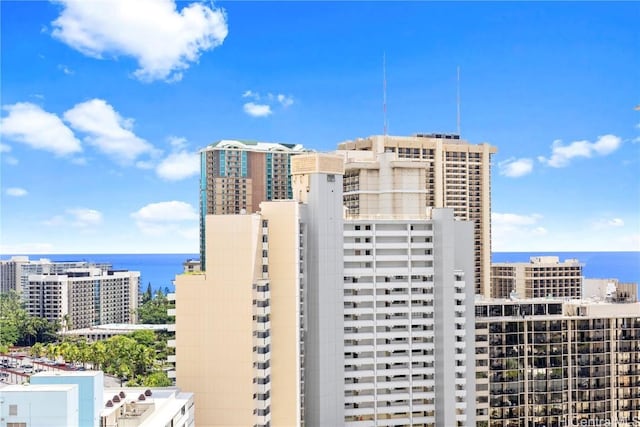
[{"x": 542, "y": 276}]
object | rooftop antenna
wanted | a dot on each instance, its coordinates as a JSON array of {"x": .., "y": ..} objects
[
  {"x": 458, "y": 101},
  {"x": 384, "y": 92}
]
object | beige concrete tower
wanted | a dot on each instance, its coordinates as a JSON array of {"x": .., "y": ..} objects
[
  {"x": 259, "y": 332},
  {"x": 404, "y": 177}
]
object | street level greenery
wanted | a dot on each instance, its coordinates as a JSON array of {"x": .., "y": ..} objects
[
  {"x": 137, "y": 358},
  {"x": 18, "y": 328}
]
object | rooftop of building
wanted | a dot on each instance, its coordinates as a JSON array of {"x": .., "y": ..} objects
[
  {"x": 28, "y": 388},
  {"x": 117, "y": 328},
  {"x": 542, "y": 261},
  {"x": 249, "y": 145},
  {"x": 150, "y": 405}
]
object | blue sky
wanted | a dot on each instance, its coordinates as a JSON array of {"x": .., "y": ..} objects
[{"x": 105, "y": 104}]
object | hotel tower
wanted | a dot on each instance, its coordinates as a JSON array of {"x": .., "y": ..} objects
[{"x": 388, "y": 175}]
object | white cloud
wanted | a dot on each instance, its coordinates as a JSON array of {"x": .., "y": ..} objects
[
  {"x": 263, "y": 105},
  {"x": 16, "y": 192},
  {"x": 177, "y": 142},
  {"x": 76, "y": 217},
  {"x": 107, "y": 130},
  {"x": 29, "y": 124},
  {"x": 608, "y": 223},
  {"x": 163, "y": 40},
  {"x": 27, "y": 248},
  {"x": 561, "y": 155},
  {"x": 257, "y": 110},
  {"x": 511, "y": 219},
  {"x": 179, "y": 166},
  {"x": 82, "y": 217},
  {"x": 284, "y": 100},
  {"x": 68, "y": 71},
  {"x": 510, "y": 229},
  {"x": 514, "y": 168},
  {"x": 4, "y": 148},
  {"x": 10, "y": 160},
  {"x": 164, "y": 217}
]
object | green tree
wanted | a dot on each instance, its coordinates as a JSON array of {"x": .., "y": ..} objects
[
  {"x": 155, "y": 311},
  {"x": 157, "y": 379},
  {"x": 147, "y": 295},
  {"x": 11, "y": 313}
]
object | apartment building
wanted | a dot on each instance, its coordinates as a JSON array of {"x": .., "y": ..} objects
[
  {"x": 236, "y": 176},
  {"x": 408, "y": 310},
  {"x": 557, "y": 363},
  {"x": 83, "y": 297},
  {"x": 14, "y": 271},
  {"x": 542, "y": 276},
  {"x": 400, "y": 175},
  {"x": 259, "y": 333}
]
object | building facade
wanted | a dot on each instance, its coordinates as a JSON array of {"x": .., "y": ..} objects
[
  {"x": 236, "y": 176},
  {"x": 408, "y": 308},
  {"x": 542, "y": 276},
  {"x": 259, "y": 333},
  {"x": 557, "y": 363},
  {"x": 83, "y": 297},
  {"x": 399, "y": 175}
]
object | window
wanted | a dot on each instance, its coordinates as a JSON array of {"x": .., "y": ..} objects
[
  {"x": 13, "y": 409},
  {"x": 331, "y": 178}
]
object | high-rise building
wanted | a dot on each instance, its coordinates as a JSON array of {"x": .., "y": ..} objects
[
  {"x": 259, "y": 333},
  {"x": 557, "y": 363},
  {"x": 542, "y": 276},
  {"x": 83, "y": 297},
  {"x": 236, "y": 176},
  {"x": 408, "y": 310},
  {"x": 393, "y": 176}
]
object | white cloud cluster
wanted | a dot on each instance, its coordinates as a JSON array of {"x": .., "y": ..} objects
[
  {"x": 107, "y": 130},
  {"x": 561, "y": 155},
  {"x": 262, "y": 106},
  {"x": 180, "y": 163},
  {"x": 167, "y": 217},
  {"x": 101, "y": 124},
  {"x": 163, "y": 40},
  {"x": 257, "y": 110},
  {"x": 16, "y": 192},
  {"x": 608, "y": 223},
  {"x": 29, "y": 124},
  {"x": 514, "y": 168},
  {"x": 508, "y": 229},
  {"x": 77, "y": 217}
]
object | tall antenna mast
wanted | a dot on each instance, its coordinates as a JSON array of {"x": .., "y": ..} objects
[
  {"x": 458, "y": 101},
  {"x": 384, "y": 91}
]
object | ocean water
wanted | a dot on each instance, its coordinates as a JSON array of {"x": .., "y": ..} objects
[{"x": 160, "y": 269}]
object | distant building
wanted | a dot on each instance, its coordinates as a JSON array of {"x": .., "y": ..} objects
[
  {"x": 83, "y": 297},
  {"x": 191, "y": 266},
  {"x": 15, "y": 271},
  {"x": 236, "y": 176},
  {"x": 555, "y": 363},
  {"x": 610, "y": 290},
  {"x": 542, "y": 276},
  {"x": 101, "y": 332},
  {"x": 392, "y": 176},
  {"x": 80, "y": 399}
]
